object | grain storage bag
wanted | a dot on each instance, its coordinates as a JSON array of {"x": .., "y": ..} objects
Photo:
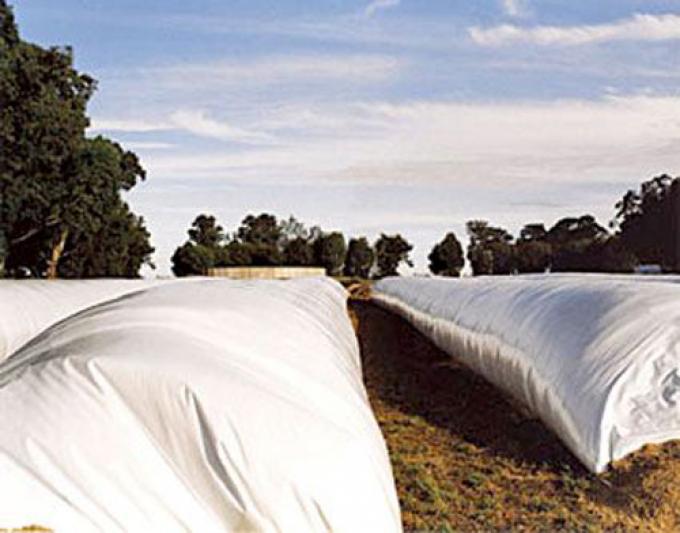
[
  {"x": 597, "y": 358},
  {"x": 204, "y": 405}
]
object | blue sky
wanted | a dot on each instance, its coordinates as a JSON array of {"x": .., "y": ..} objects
[{"x": 411, "y": 116}]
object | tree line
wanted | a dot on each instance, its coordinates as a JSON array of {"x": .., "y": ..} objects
[
  {"x": 643, "y": 231},
  {"x": 262, "y": 240},
  {"x": 62, "y": 213}
]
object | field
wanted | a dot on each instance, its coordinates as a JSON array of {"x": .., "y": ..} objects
[{"x": 467, "y": 459}]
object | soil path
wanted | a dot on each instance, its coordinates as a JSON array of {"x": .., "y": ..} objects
[{"x": 466, "y": 459}]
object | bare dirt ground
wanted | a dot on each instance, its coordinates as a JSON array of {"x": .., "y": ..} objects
[{"x": 465, "y": 459}]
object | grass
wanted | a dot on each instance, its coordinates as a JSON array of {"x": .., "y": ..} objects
[{"x": 465, "y": 459}]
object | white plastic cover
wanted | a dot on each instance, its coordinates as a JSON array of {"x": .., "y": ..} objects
[
  {"x": 207, "y": 405},
  {"x": 597, "y": 358},
  {"x": 30, "y": 306}
]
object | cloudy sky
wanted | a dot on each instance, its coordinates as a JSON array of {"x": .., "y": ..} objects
[{"x": 393, "y": 115}]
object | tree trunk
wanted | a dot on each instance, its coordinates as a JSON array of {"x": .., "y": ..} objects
[{"x": 57, "y": 250}]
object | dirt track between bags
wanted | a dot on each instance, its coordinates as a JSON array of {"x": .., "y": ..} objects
[{"x": 465, "y": 459}]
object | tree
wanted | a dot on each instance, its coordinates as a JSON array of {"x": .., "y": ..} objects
[
  {"x": 446, "y": 258},
  {"x": 299, "y": 252},
  {"x": 88, "y": 216},
  {"x": 533, "y": 252},
  {"x": 574, "y": 241},
  {"x": 191, "y": 259},
  {"x": 203, "y": 250},
  {"x": 645, "y": 221},
  {"x": 118, "y": 249},
  {"x": 532, "y": 257},
  {"x": 360, "y": 258},
  {"x": 205, "y": 231},
  {"x": 291, "y": 229},
  {"x": 390, "y": 252},
  {"x": 56, "y": 186},
  {"x": 611, "y": 255},
  {"x": 264, "y": 254},
  {"x": 314, "y": 234},
  {"x": 330, "y": 252},
  {"x": 235, "y": 254},
  {"x": 262, "y": 234},
  {"x": 259, "y": 230},
  {"x": 572, "y": 229},
  {"x": 605, "y": 255},
  {"x": 533, "y": 232},
  {"x": 490, "y": 250},
  {"x": 9, "y": 33}
]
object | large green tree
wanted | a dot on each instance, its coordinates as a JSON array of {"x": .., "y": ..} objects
[
  {"x": 262, "y": 236},
  {"x": 646, "y": 221},
  {"x": 59, "y": 189},
  {"x": 576, "y": 229},
  {"x": 573, "y": 241},
  {"x": 205, "y": 231},
  {"x": 117, "y": 249},
  {"x": 446, "y": 258},
  {"x": 490, "y": 250},
  {"x": 580, "y": 244},
  {"x": 360, "y": 258},
  {"x": 390, "y": 252},
  {"x": 298, "y": 252},
  {"x": 262, "y": 229},
  {"x": 331, "y": 251},
  {"x": 533, "y": 252},
  {"x": 203, "y": 250},
  {"x": 291, "y": 229}
]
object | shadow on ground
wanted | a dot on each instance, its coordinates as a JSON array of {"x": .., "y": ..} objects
[
  {"x": 406, "y": 370},
  {"x": 466, "y": 458}
]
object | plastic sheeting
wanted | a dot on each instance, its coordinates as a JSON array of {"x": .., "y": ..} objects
[
  {"x": 207, "y": 405},
  {"x": 597, "y": 358},
  {"x": 30, "y": 306}
]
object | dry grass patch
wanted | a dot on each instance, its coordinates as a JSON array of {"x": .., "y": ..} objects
[{"x": 465, "y": 459}]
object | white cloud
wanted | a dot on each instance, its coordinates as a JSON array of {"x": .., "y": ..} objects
[
  {"x": 194, "y": 122},
  {"x": 198, "y": 123},
  {"x": 129, "y": 125},
  {"x": 617, "y": 138},
  {"x": 354, "y": 28},
  {"x": 147, "y": 145},
  {"x": 377, "y": 5},
  {"x": 639, "y": 27},
  {"x": 359, "y": 68},
  {"x": 515, "y": 8}
]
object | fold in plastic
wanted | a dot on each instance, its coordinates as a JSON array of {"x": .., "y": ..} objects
[
  {"x": 597, "y": 358},
  {"x": 29, "y": 307},
  {"x": 206, "y": 405}
]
